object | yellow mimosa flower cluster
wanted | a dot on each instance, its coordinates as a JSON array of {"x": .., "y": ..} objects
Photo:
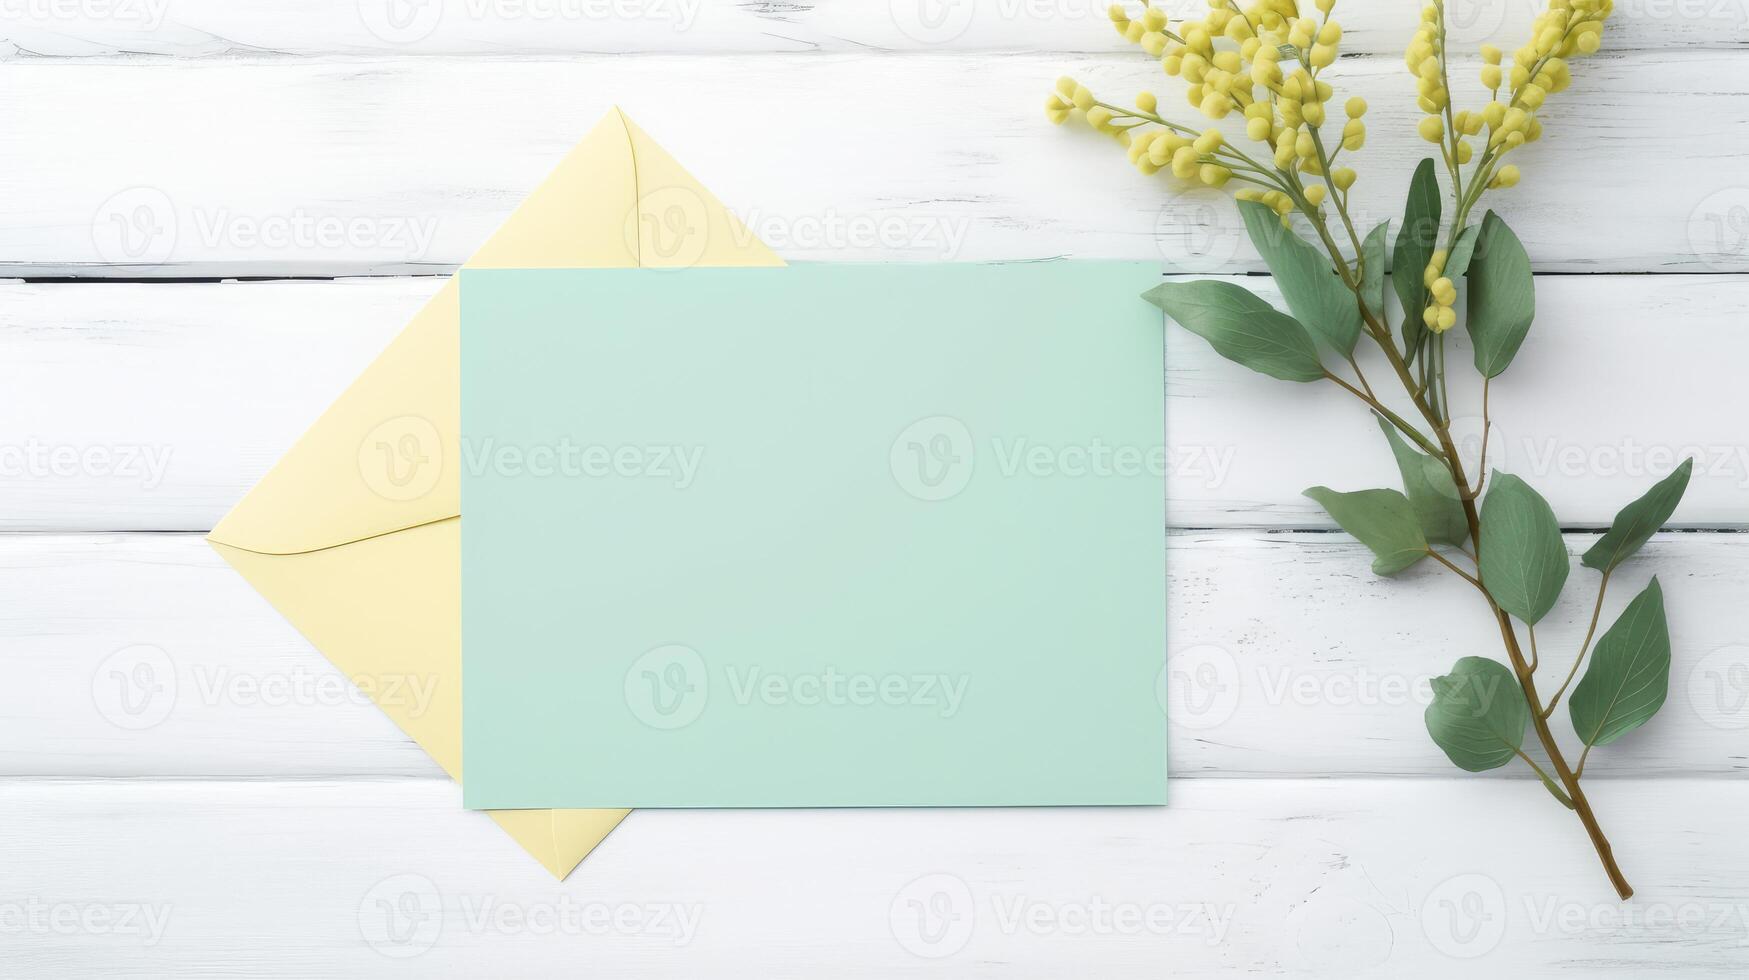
[
  {"x": 1566, "y": 29},
  {"x": 1260, "y": 61}
]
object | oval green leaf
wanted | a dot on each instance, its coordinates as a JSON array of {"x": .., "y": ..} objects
[
  {"x": 1315, "y": 295},
  {"x": 1241, "y": 327},
  {"x": 1458, "y": 262},
  {"x": 1629, "y": 674},
  {"x": 1502, "y": 296},
  {"x": 1523, "y": 561},
  {"x": 1430, "y": 489},
  {"x": 1380, "y": 519},
  {"x": 1638, "y": 521},
  {"x": 1478, "y": 714},
  {"x": 1372, "y": 280},
  {"x": 1415, "y": 243}
]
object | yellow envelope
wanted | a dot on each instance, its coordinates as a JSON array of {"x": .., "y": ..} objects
[{"x": 355, "y": 535}]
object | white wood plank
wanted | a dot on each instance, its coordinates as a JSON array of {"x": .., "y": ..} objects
[
  {"x": 197, "y": 28},
  {"x": 146, "y": 656},
  {"x": 206, "y": 385},
  {"x": 1304, "y": 878},
  {"x": 346, "y": 167}
]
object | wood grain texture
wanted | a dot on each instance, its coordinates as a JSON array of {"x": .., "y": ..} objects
[
  {"x": 174, "y": 757},
  {"x": 203, "y": 28},
  {"x": 204, "y": 386},
  {"x": 1308, "y": 878},
  {"x": 144, "y": 655},
  {"x": 327, "y": 167}
]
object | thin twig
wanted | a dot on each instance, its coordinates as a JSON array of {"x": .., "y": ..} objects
[{"x": 1596, "y": 611}]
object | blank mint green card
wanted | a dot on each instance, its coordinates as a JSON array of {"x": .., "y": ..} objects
[{"x": 823, "y": 535}]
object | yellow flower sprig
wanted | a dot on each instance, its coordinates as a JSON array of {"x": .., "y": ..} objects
[{"x": 1565, "y": 30}]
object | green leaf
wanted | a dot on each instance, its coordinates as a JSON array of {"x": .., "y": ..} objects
[
  {"x": 1478, "y": 714},
  {"x": 1502, "y": 296},
  {"x": 1629, "y": 673},
  {"x": 1523, "y": 562},
  {"x": 1241, "y": 327},
  {"x": 1372, "y": 286},
  {"x": 1415, "y": 242},
  {"x": 1380, "y": 519},
  {"x": 1315, "y": 295},
  {"x": 1430, "y": 489},
  {"x": 1638, "y": 521},
  {"x": 1458, "y": 262}
]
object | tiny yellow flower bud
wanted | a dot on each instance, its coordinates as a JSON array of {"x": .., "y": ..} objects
[
  {"x": 1312, "y": 113},
  {"x": 1184, "y": 162},
  {"x": 1116, "y": 13},
  {"x": 1494, "y": 113},
  {"x": 1323, "y": 55},
  {"x": 1432, "y": 129},
  {"x": 1214, "y": 175},
  {"x": 1464, "y": 152},
  {"x": 1430, "y": 316},
  {"x": 1490, "y": 77},
  {"x": 1356, "y": 107},
  {"x": 1133, "y": 31},
  {"x": 1435, "y": 267},
  {"x": 1099, "y": 117},
  {"x": 1589, "y": 43},
  {"x": 1353, "y": 134},
  {"x": 1343, "y": 178},
  {"x": 1257, "y": 128},
  {"x": 1146, "y": 102},
  {"x": 1082, "y": 98},
  {"x": 1154, "y": 19},
  {"x": 1490, "y": 54},
  {"x": 1446, "y": 319},
  {"x": 1444, "y": 291},
  {"x": 1315, "y": 195},
  {"x": 1325, "y": 5},
  {"x": 1304, "y": 147},
  {"x": 1056, "y": 110},
  {"x": 1330, "y": 33},
  {"x": 1066, "y": 87},
  {"x": 1209, "y": 141},
  {"x": 1507, "y": 177}
]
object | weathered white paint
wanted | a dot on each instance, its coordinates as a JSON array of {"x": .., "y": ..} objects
[
  {"x": 318, "y": 167},
  {"x": 197, "y": 28},
  {"x": 1362, "y": 878},
  {"x": 269, "y": 816}
]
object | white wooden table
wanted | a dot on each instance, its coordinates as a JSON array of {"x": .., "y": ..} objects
[{"x": 188, "y": 789}]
